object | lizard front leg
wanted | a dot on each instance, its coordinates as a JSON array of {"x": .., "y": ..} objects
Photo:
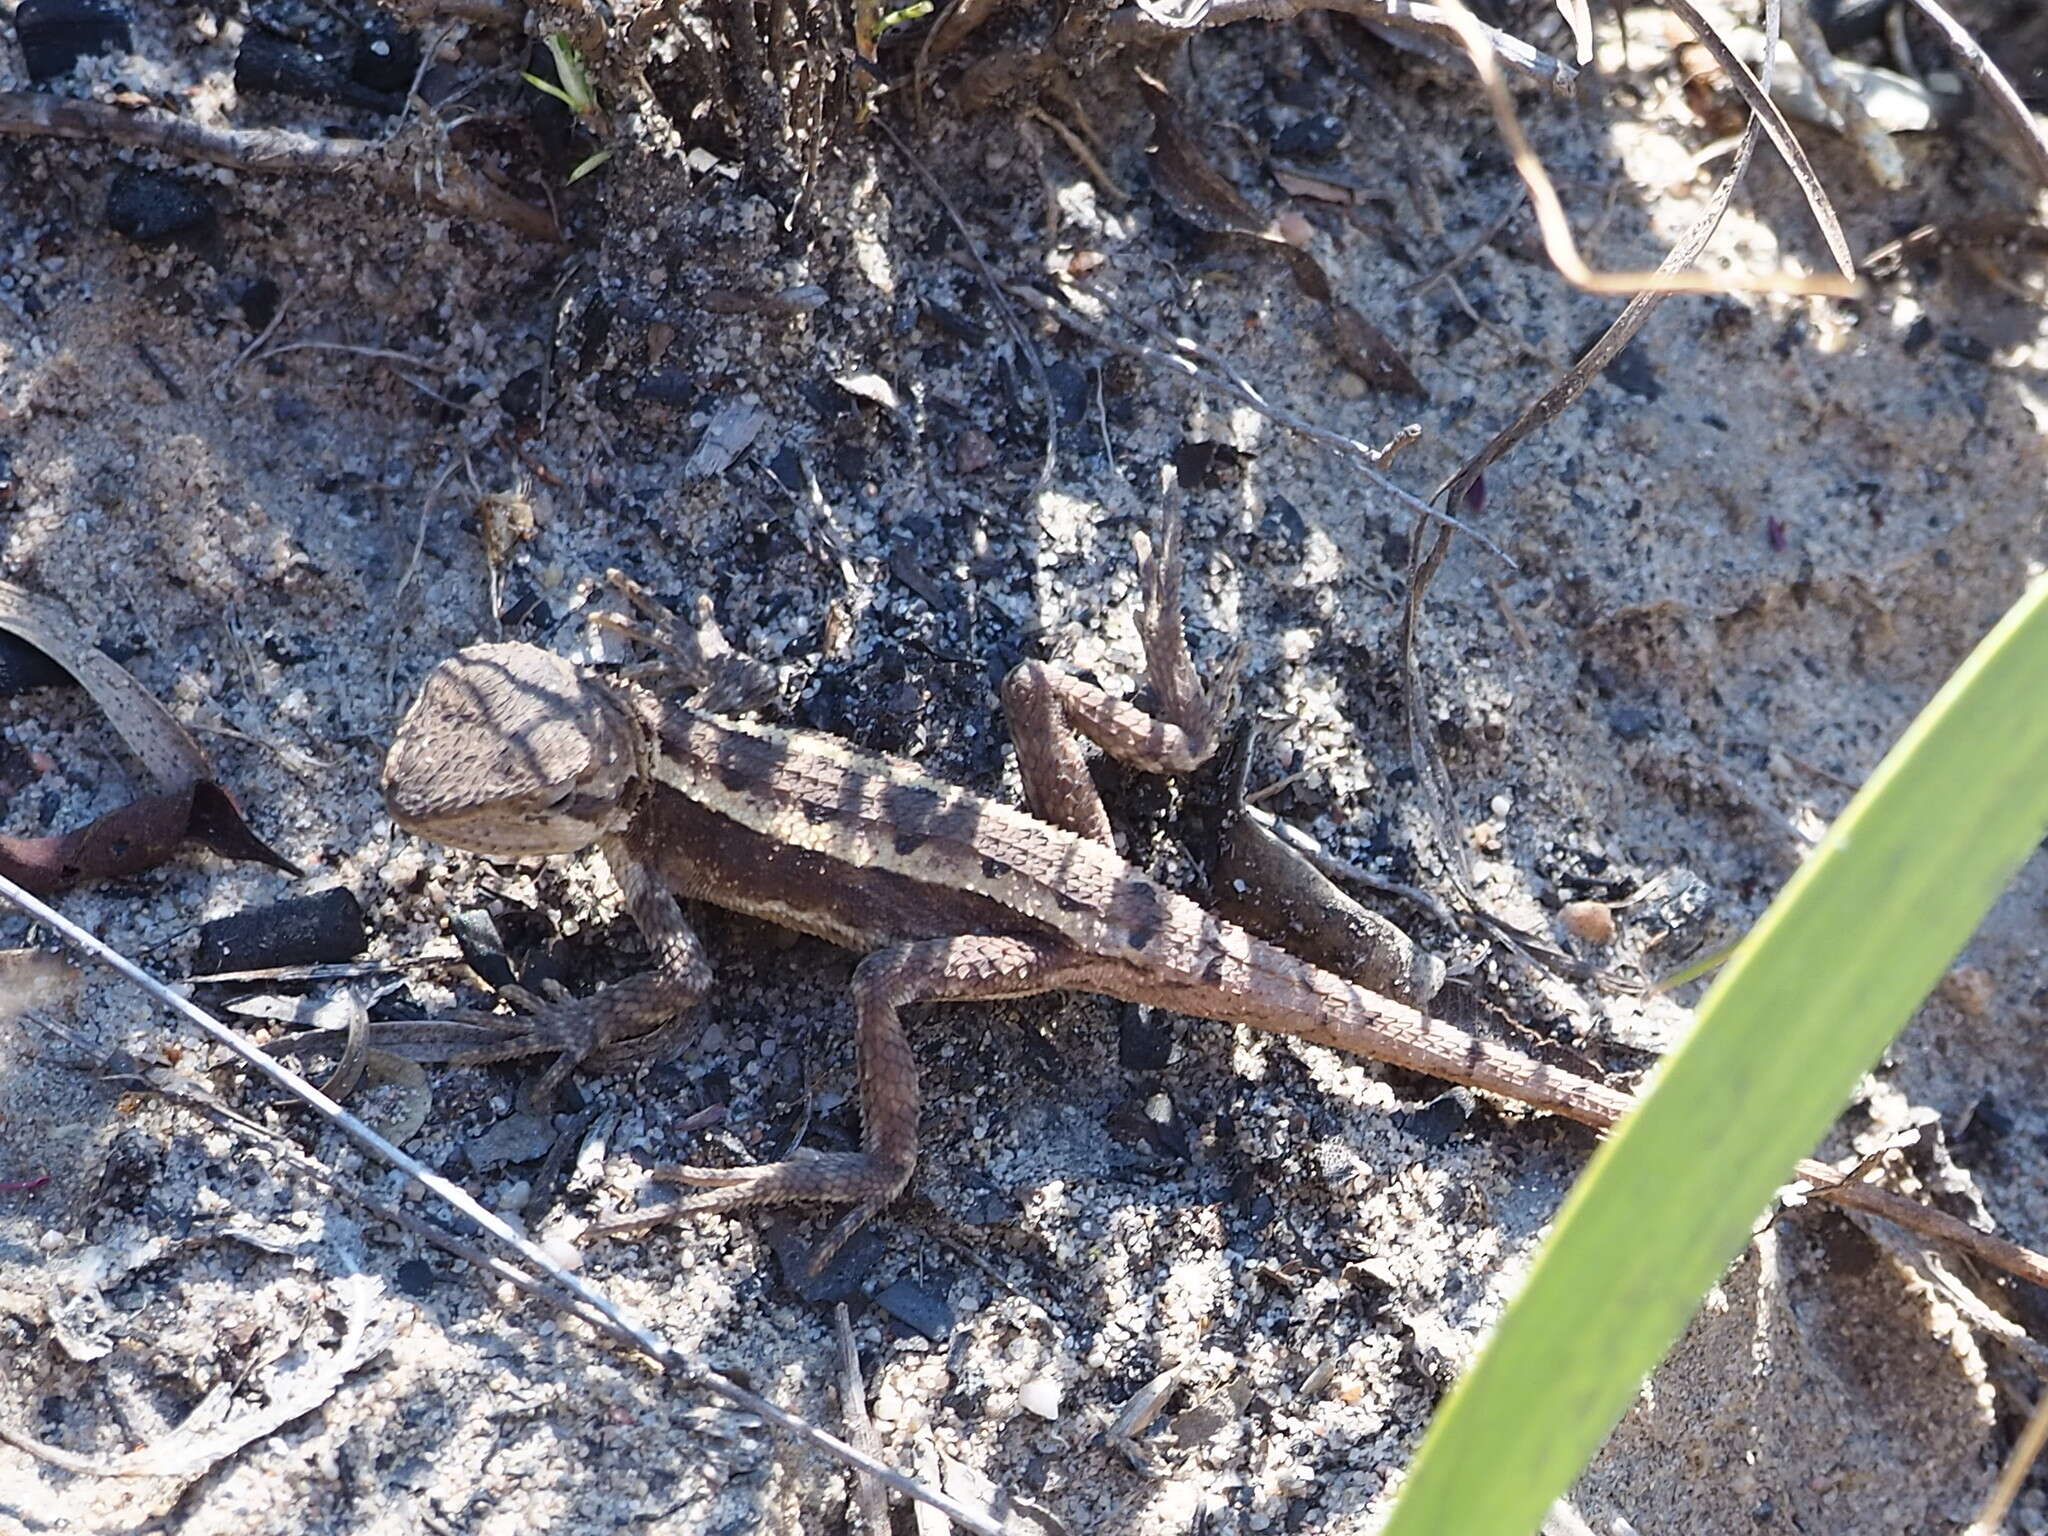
[
  {"x": 638, "y": 1019},
  {"x": 966, "y": 969}
]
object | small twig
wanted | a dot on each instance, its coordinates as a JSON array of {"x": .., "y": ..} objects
[
  {"x": 1102, "y": 426},
  {"x": 269, "y": 152},
  {"x": 1366, "y": 457},
  {"x": 2026, "y": 1450},
  {"x": 1417, "y": 289},
  {"x": 1287, "y": 781},
  {"x": 428, "y": 55},
  {"x": 229, "y": 369},
  {"x": 605, "y": 1315},
  {"x": 381, "y": 354},
  {"x": 1562, "y": 248},
  {"x": 1082, "y": 153},
  {"x": 869, "y": 1496},
  {"x": 158, "y": 371},
  {"x": 485, "y": 13},
  {"x": 1344, "y": 872},
  {"x": 405, "y": 578}
]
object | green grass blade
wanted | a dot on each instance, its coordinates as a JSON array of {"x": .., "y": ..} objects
[{"x": 1831, "y": 973}]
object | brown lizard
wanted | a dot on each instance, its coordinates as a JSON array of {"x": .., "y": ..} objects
[{"x": 513, "y": 751}]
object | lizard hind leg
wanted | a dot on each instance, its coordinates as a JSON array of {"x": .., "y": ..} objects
[
  {"x": 1051, "y": 712},
  {"x": 961, "y": 969}
]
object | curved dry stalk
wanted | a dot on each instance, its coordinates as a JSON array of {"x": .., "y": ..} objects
[
  {"x": 1558, "y": 243},
  {"x": 1133, "y": 25},
  {"x": 1970, "y": 56},
  {"x": 446, "y": 185}
]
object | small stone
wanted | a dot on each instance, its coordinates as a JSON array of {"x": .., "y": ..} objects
[
  {"x": 1631, "y": 723},
  {"x": 483, "y": 948},
  {"x": 1040, "y": 1395},
  {"x": 840, "y": 1280},
  {"x": 386, "y": 56},
  {"x": 1144, "y": 1039},
  {"x": 1590, "y": 921},
  {"x": 1442, "y": 1121},
  {"x": 973, "y": 451},
  {"x": 520, "y": 1138},
  {"x": 416, "y": 1277},
  {"x": 1969, "y": 990},
  {"x": 1071, "y": 392},
  {"x": 1845, "y": 23},
  {"x": 258, "y": 301}
]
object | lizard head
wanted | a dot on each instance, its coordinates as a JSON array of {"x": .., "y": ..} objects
[{"x": 511, "y": 750}]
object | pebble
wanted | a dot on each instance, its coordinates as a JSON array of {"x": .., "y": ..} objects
[
  {"x": 386, "y": 56},
  {"x": 973, "y": 451},
  {"x": 1442, "y": 1121},
  {"x": 1040, "y": 1395},
  {"x": 416, "y": 1277},
  {"x": 1591, "y": 921},
  {"x": 483, "y": 948},
  {"x": 1969, "y": 989},
  {"x": 1144, "y": 1039},
  {"x": 268, "y": 63},
  {"x": 1071, "y": 392}
]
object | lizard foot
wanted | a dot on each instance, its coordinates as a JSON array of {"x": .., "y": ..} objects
[
  {"x": 728, "y": 681},
  {"x": 578, "y": 1032},
  {"x": 866, "y": 1182},
  {"x": 1184, "y": 700}
]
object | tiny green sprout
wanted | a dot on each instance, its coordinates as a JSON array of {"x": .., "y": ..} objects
[
  {"x": 585, "y": 167},
  {"x": 575, "y": 91},
  {"x": 916, "y": 12}
]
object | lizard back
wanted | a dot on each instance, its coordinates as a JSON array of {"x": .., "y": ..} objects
[{"x": 865, "y": 814}]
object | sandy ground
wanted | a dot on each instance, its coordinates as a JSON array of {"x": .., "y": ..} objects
[{"x": 1739, "y": 567}]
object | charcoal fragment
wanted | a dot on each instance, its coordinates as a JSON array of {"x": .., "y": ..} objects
[
  {"x": 151, "y": 208},
  {"x": 1313, "y": 138},
  {"x": 56, "y": 34},
  {"x": 386, "y": 56},
  {"x": 918, "y": 1310},
  {"x": 267, "y": 63},
  {"x": 302, "y": 930}
]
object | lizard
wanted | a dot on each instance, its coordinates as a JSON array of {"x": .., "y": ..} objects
[{"x": 512, "y": 751}]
